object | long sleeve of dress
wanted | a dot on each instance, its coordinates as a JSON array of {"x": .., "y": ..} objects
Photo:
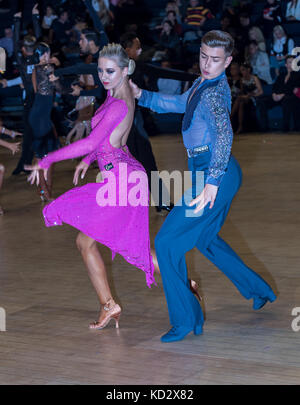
[
  {"x": 164, "y": 103},
  {"x": 215, "y": 109},
  {"x": 112, "y": 117},
  {"x": 90, "y": 158}
]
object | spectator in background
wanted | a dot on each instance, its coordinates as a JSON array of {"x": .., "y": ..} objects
[
  {"x": 102, "y": 9},
  {"x": 242, "y": 34},
  {"x": 283, "y": 94},
  {"x": 7, "y": 42},
  {"x": 61, "y": 30},
  {"x": 271, "y": 16},
  {"x": 256, "y": 34},
  {"x": 234, "y": 81},
  {"x": 250, "y": 89},
  {"x": 172, "y": 17},
  {"x": 48, "y": 19},
  {"x": 259, "y": 62},
  {"x": 196, "y": 15},
  {"x": 293, "y": 10},
  {"x": 169, "y": 40},
  {"x": 281, "y": 46}
]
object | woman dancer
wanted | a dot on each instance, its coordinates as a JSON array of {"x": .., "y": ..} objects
[
  {"x": 44, "y": 138},
  {"x": 123, "y": 228}
]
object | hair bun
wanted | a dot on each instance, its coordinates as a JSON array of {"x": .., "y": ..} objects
[{"x": 131, "y": 67}]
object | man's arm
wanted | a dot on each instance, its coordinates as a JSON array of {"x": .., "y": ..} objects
[
  {"x": 97, "y": 23},
  {"x": 36, "y": 22},
  {"x": 78, "y": 69},
  {"x": 216, "y": 113},
  {"x": 16, "y": 37}
]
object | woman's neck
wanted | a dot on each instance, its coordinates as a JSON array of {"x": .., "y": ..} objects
[{"x": 121, "y": 89}]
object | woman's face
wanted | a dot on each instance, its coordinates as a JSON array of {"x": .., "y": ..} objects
[
  {"x": 252, "y": 35},
  {"x": 278, "y": 34},
  {"x": 49, "y": 11},
  {"x": 110, "y": 74},
  {"x": 244, "y": 71},
  {"x": 167, "y": 28},
  {"x": 45, "y": 58},
  {"x": 252, "y": 49}
]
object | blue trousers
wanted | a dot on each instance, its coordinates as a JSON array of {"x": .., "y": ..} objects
[{"x": 182, "y": 231}]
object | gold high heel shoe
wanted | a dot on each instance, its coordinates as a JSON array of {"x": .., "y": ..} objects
[
  {"x": 113, "y": 312},
  {"x": 194, "y": 289}
]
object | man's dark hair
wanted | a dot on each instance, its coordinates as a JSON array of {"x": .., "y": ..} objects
[
  {"x": 253, "y": 42},
  {"x": 29, "y": 43},
  {"x": 127, "y": 39},
  {"x": 91, "y": 36},
  {"x": 219, "y": 39}
]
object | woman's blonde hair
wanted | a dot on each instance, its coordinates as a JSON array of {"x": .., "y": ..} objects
[{"x": 117, "y": 53}]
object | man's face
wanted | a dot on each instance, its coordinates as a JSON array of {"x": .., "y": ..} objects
[
  {"x": 84, "y": 44},
  {"x": 212, "y": 61},
  {"x": 135, "y": 50},
  {"x": 64, "y": 16},
  {"x": 8, "y": 33}
]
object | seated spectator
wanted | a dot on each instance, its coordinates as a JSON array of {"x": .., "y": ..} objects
[
  {"x": 169, "y": 40},
  {"x": 259, "y": 62},
  {"x": 61, "y": 30},
  {"x": 103, "y": 11},
  {"x": 225, "y": 23},
  {"x": 281, "y": 46},
  {"x": 7, "y": 42},
  {"x": 284, "y": 93},
  {"x": 49, "y": 17},
  {"x": 271, "y": 16},
  {"x": 213, "y": 5},
  {"x": 293, "y": 10},
  {"x": 172, "y": 17},
  {"x": 196, "y": 15},
  {"x": 250, "y": 90},
  {"x": 242, "y": 34},
  {"x": 256, "y": 34},
  {"x": 168, "y": 86},
  {"x": 234, "y": 81}
]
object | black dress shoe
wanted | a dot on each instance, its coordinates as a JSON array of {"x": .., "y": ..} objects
[{"x": 164, "y": 207}]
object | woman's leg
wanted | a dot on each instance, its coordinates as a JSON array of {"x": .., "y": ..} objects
[
  {"x": 96, "y": 271},
  {"x": 2, "y": 171}
]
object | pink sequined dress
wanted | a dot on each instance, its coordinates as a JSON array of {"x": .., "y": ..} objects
[{"x": 122, "y": 227}]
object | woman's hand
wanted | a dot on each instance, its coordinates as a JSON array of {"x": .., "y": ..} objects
[
  {"x": 136, "y": 91},
  {"x": 34, "y": 176},
  {"x": 208, "y": 195},
  {"x": 81, "y": 167},
  {"x": 14, "y": 147}
]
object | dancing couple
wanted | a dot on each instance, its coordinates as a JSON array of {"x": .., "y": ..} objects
[{"x": 207, "y": 135}]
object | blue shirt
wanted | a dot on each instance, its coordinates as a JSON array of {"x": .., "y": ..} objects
[{"x": 206, "y": 120}]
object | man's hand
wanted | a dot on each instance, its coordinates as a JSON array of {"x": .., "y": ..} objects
[
  {"x": 35, "y": 10},
  {"x": 15, "y": 147},
  {"x": 3, "y": 82},
  {"x": 136, "y": 91},
  {"x": 76, "y": 90},
  {"x": 82, "y": 167},
  {"x": 18, "y": 15},
  {"x": 53, "y": 78},
  {"x": 208, "y": 195}
]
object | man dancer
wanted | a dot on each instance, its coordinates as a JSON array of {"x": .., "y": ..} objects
[{"x": 207, "y": 135}]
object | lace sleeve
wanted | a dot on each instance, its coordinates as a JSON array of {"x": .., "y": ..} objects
[
  {"x": 218, "y": 119},
  {"x": 113, "y": 116}
]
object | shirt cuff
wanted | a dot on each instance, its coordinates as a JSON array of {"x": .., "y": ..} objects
[{"x": 213, "y": 180}]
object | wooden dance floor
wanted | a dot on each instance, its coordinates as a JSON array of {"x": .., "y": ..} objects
[{"x": 49, "y": 300}]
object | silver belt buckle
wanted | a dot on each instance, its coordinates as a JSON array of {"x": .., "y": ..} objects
[{"x": 197, "y": 150}]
